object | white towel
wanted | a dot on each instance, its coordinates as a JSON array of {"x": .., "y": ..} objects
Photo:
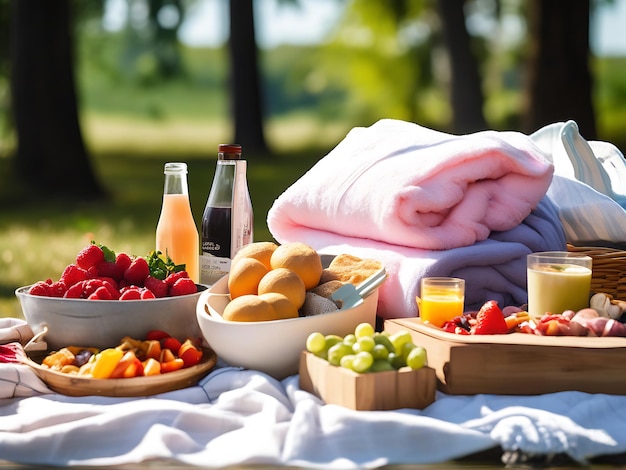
[{"x": 589, "y": 184}]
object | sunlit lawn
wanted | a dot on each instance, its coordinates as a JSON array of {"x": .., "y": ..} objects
[{"x": 39, "y": 238}]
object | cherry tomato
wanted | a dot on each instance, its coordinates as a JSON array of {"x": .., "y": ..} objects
[
  {"x": 189, "y": 353},
  {"x": 170, "y": 343},
  {"x": 157, "y": 335}
]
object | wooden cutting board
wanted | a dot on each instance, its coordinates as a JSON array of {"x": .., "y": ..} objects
[{"x": 518, "y": 363}]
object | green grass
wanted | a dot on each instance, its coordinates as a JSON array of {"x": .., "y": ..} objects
[{"x": 39, "y": 238}]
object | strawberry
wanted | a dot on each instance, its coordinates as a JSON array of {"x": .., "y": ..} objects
[
  {"x": 57, "y": 289},
  {"x": 73, "y": 274},
  {"x": 131, "y": 293},
  {"x": 110, "y": 280},
  {"x": 123, "y": 261},
  {"x": 75, "y": 291},
  {"x": 111, "y": 286},
  {"x": 183, "y": 286},
  {"x": 90, "y": 256},
  {"x": 137, "y": 272},
  {"x": 41, "y": 288},
  {"x": 90, "y": 286},
  {"x": 158, "y": 287},
  {"x": 173, "y": 277},
  {"x": 101, "y": 293},
  {"x": 147, "y": 294},
  {"x": 490, "y": 320},
  {"x": 110, "y": 269}
]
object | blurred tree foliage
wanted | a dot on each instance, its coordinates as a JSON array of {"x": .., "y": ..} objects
[{"x": 383, "y": 59}]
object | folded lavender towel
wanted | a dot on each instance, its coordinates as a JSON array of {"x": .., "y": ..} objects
[{"x": 494, "y": 269}]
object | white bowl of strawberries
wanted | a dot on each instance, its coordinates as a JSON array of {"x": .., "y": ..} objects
[{"x": 102, "y": 297}]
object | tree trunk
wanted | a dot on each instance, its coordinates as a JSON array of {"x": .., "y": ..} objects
[
  {"x": 165, "y": 39},
  {"x": 245, "y": 81},
  {"x": 559, "y": 82},
  {"x": 51, "y": 157},
  {"x": 466, "y": 93}
]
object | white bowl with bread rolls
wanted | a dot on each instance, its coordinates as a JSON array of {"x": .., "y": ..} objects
[{"x": 274, "y": 346}]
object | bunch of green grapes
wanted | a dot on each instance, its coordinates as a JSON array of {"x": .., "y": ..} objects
[{"x": 368, "y": 351}]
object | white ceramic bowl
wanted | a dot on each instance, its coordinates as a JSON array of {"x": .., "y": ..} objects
[
  {"x": 103, "y": 323},
  {"x": 273, "y": 347}
]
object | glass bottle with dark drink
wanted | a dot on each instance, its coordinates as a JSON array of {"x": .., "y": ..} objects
[{"x": 227, "y": 222}]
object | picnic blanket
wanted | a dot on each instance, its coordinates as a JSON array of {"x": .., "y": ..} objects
[{"x": 244, "y": 417}]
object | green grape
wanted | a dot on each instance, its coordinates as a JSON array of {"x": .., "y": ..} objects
[
  {"x": 382, "y": 338},
  {"x": 346, "y": 361},
  {"x": 399, "y": 339},
  {"x": 380, "y": 352},
  {"x": 337, "y": 351},
  {"x": 396, "y": 360},
  {"x": 332, "y": 340},
  {"x": 315, "y": 342},
  {"x": 363, "y": 329},
  {"x": 406, "y": 349},
  {"x": 349, "y": 339},
  {"x": 364, "y": 343},
  {"x": 381, "y": 365},
  {"x": 417, "y": 358},
  {"x": 362, "y": 362}
]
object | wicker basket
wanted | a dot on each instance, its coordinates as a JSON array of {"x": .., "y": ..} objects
[{"x": 609, "y": 269}]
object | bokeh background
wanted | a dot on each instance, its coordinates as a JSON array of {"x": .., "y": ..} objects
[{"x": 96, "y": 95}]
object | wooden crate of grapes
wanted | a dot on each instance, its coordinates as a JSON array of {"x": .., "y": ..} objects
[
  {"x": 386, "y": 390},
  {"x": 518, "y": 363}
]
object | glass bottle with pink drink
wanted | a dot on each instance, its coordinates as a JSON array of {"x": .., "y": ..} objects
[{"x": 177, "y": 234}]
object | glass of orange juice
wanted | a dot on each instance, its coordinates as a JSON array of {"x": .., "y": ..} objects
[{"x": 441, "y": 299}]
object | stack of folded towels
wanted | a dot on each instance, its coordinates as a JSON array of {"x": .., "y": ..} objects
[{"x": 427, "y": 203}]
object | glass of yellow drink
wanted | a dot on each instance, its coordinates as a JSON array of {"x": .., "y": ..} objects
[
  {"x": 441, "y": 299},
  {"x": 558, "y": 281}
]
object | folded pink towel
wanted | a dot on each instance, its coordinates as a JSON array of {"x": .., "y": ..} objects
[{"x": 403, "y": 184}]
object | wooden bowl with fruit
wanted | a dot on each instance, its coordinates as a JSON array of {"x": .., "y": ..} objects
[
  {"x": 103, "y": 296},
  {"x": 158, "y": 363},
  {"x": 260, "y": 314}
]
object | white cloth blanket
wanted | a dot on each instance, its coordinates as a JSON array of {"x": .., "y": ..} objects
[
  {"x": 589, "y": 184},
  {"x": 235, "y": 417}
]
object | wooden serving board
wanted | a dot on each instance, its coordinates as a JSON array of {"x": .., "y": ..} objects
[{"x": 518, "y": 363}]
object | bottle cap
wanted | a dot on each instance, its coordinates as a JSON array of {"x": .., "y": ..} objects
[
  {"x": 175, "y": 167},
  {"x": 229, "y": 152}
]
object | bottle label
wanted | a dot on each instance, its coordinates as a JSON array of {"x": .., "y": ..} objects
[
  {"x": 212, "y": 268},
  {"x": 242, "y": 215}
]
